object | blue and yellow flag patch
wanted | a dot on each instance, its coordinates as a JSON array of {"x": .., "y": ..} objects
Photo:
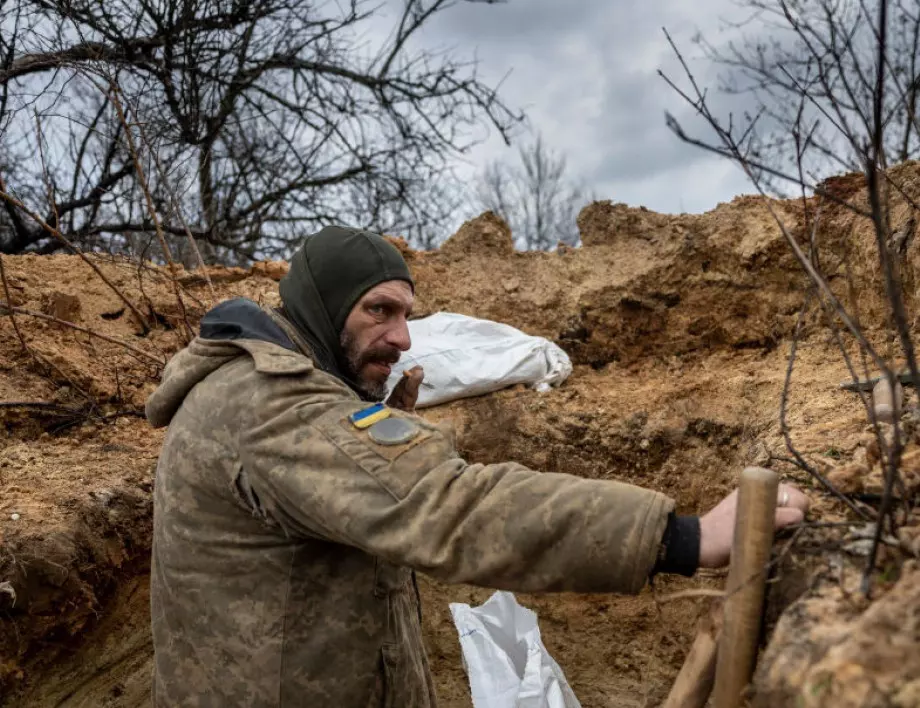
[{"x": 367, "y": 417}]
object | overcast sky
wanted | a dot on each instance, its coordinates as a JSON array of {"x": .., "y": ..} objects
[{"x": 585, "y": 73}]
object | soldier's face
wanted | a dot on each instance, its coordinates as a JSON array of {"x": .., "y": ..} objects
[{"x": 376, "y": 333}]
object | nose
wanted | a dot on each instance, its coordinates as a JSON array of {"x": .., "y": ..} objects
[{"x": 398, "y": 335}]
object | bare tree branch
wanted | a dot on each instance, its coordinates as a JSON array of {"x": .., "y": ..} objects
[{"x": 268, "y": 113}]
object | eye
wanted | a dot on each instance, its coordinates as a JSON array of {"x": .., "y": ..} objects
[{"x": 376, "y": 309}]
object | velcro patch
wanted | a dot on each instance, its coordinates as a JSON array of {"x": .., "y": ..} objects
[
  {"x": 366, "y": 418},
  {"x": 387, "y": 451},
  {"x": 393, "y": 431}
]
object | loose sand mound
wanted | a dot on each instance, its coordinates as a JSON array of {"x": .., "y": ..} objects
[{"x": 678, "y": 327}]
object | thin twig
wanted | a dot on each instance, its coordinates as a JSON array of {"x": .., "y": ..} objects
[
  {"x": 9, "y": 298},
  {"x": 42, "y": 405},
  {"x": 892, "y": 289},
  {"x": 723, "y": 594},
  {"x": 900, "y": 190},
  {"x": 137, "y": 265},
  {"x": 825, "y": 525},
  {"x": 905, "y": 379},
  {"x": 176, "y": 208},
  {"x": 151, "y": 208},
  {"x": 784, "y": 426},
  {"x": 690, "y": 594},
  {"x": 29, "y": 313},
  {"x": 868, "y": 404},
  {"x": 75, "y": 413},
  {"x": 46, "y": 174},
  {"x": 118, "y": 394}
]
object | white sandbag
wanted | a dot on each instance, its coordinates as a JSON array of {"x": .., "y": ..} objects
[
  {"x": 465, "y": 356},
  {"x": 504, "y": 657}
]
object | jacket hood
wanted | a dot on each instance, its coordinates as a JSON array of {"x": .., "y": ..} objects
[{"x": 231, "y": 329}]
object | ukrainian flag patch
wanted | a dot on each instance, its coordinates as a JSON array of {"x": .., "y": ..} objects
[{"x": 367, "y": 417}]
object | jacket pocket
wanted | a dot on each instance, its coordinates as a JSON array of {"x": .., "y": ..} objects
[
  {"x": 406, "y": 679},
  {"x": 393, "y": 697}
]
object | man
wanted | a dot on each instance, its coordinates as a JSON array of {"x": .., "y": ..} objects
[{"x": 289, "y": 514}]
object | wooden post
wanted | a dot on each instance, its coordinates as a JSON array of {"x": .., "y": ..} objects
[
  {"x": 746, "y": 585},
  {"x": 694, "y": 682}
]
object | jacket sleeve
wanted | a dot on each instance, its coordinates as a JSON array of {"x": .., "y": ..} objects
[{"x": 419, "y": 505}]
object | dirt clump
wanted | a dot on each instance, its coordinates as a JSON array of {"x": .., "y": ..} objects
[
  {"x": 486, "y": 236},
  {"x": 835, "y": 648},
  {"x": 677, "y": 326}
]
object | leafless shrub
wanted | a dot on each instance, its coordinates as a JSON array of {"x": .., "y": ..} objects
[{"x": 838, "y": 92}]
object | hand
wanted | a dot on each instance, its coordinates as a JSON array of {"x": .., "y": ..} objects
[
  {"x": 405, "y": 394},
  {"x": 717, "y": 528}
]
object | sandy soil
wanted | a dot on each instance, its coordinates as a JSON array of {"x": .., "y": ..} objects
[{"x": 679, "y": 328}]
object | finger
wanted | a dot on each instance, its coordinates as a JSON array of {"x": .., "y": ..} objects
[
  {"x": 790, "y": 496},
  {"x": 799, "y": 500},
  {"x": 399, "y": 389},
  {"x": 783, "y": 495},
  {"x": 411, "y": 392},
  {"x": 416, "y": 373},
  {"x": 788, "y": 516},
  {"x": 398, "y": 395},
  {"x": 413, "y": 380}
]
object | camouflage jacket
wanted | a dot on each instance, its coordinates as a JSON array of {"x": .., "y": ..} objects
[{"x": 285, "y": 536}]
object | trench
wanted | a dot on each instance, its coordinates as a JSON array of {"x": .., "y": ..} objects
[{"x": 685, "y": 430}]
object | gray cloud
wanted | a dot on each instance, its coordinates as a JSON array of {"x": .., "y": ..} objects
[
  {"x": 586, "y": 74},
  {"x": 517, "y": 21}
]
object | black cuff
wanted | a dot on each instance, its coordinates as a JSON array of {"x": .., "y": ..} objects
[{"x": 680, "y": 546}]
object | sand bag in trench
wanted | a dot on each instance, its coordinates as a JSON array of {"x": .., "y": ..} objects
[
  {"x": 504, "y": 657},
  {"x": 465, "y": 356}
]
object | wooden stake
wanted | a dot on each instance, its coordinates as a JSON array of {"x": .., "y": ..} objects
[
  {"x": 746, "y": 585},
  {"x": 695, "y": 680}
]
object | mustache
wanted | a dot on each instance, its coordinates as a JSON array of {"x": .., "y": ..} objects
[{"x": 382, "y": 354}]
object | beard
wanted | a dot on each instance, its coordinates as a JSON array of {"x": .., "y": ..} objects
[{"x": 356, "y": 360}]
